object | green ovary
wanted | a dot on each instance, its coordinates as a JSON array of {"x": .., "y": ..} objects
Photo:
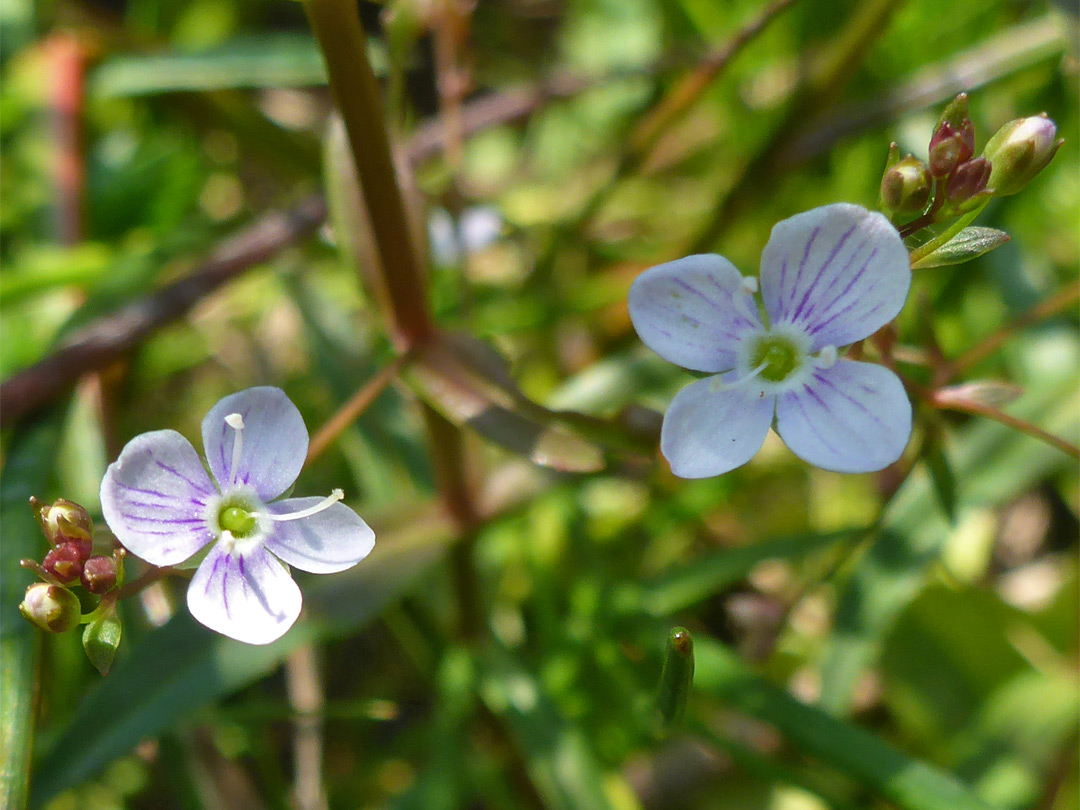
[
  {"x": 238, "y": 522},
  {"x": 779, "y": 355}
]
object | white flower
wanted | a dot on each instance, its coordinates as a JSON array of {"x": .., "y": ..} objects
[
  {"x": 829, "y": 277},
  {"x": 161, "y": 504}
]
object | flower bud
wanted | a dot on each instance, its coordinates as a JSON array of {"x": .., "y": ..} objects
[
  {"x": 1019, "y": 151},
  {"x": 99, "y": 575},
  {"x": 65, "y": 563},
  {"x": 953, "y": 141},
  {"x": 905, "y": 187},
  {"x": 50, "y": 607},
  {"x": 969, "y": 179},
  {"x": 64, "y": 521}
]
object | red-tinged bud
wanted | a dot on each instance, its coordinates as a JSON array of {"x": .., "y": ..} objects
[
  {"x": 50, "y": 607},
  {"x": 969, "y": 179},
  {"x": 64, "y": 521},
  {"x": 1019, "y": 151},
  {"x": 948, "y": 149},
  {"x": 99, "y": 575},
  {"x": 906, "y": 186},
  {"x": 64, "y": 563}
]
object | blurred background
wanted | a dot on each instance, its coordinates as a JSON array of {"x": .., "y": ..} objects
[{"x": 862, "y": 641}]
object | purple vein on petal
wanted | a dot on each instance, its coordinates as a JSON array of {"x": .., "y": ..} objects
[
  {"x": 690, "y": 288},
  {"x": 836, "y": 277},
  {"x": 828, "y": 261},
  {"x": 826, "y": 382},
  {"x": 810, "y": 422},
  {"x": 802, "y": 265},
  {"x": 843, "y": 310},
  {"x": 185, "y": 479}
]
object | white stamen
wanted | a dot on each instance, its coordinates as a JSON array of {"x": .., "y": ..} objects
[
  {"x": 227, "y": 541},
  {"x": 325, "y": 503},
  {"x": 826, "y": 358},
  {"x": 750, "y": 284},
  {"x": 236, "y": 422}
]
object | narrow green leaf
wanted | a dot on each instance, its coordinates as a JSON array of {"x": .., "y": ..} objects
[
  {"x": 705, "y": 576},
  {"x": 942, "y": 478},
  {"x": 969, "y": 244},
  {"x": 904, "y": 782},
  {"x": 560, "y": 762},
  {"x": 27, "y": 472},
  {"x": 676, "y": 678}
]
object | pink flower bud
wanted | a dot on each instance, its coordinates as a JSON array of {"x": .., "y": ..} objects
[
  {"x": 65, "y": 563},
  {"x": 64, "y": 521},
  {"x": 1019, "y": 151},
  {"x": 99, "y": 575},
  {"x": 969, "y": 179}
]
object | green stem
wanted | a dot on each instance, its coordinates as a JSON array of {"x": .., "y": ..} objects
[
  {"x": 356, "y": 92},
  {"x": 923, "y": 251}
]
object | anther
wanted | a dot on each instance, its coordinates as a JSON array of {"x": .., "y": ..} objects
[
  {"x": 750, "y": 284},
  {"x": 826, "y": 358},
  {"x": 236, "y": 422}
]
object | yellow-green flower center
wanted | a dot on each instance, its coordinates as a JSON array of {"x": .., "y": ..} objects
[
  {"x": 237, "y": 521},
  {"x": 779, "y": 355}
]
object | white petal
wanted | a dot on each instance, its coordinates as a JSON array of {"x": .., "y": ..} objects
[
  {"x": 275, "y": 441},
  {"x": 854, "y": 417},
  {"x": 154, "y": 498},
  {"x": 250, "y": 598},
  {"x": 693, "y": 311},
  {"x": 709, "y": 429},
  {"x": 331, "y": 540},
  {"x": 840, "y": 272}
]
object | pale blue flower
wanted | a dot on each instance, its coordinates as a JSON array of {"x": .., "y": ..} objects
[
  {"x": 162, "y": 506},
  {"x": 829, "y": 277}
]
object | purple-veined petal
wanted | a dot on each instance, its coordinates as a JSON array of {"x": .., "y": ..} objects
[
  {"x": 275, "y": 441},
  {"x": 839, "y": 272},
  {"x": 853, "y": 417},
  {"x": 693, "y": 311},
  {"x": 249, "y": 597},
  {"x": 331, "y": 540},
  {"x": 709, "y": 429},
  {"x": 154, "y": 498}
]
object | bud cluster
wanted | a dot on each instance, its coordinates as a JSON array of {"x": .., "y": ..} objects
[
  {"x": 953, "y": 181},
  {"x": 70, "y": 561}
]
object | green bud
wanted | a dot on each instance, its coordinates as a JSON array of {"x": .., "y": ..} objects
[
  {"x": 676, "y": 680},
  {"x": 905, "y": 188},
  {"x": 101, "y": 638},
  {"x": 52, "y": 608},
  {"x": 1019, "y": 151}
]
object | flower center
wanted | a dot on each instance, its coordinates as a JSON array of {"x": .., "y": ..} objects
[
  {"x": 777, "y": 356},
  {"x": 240, "y": 522}
]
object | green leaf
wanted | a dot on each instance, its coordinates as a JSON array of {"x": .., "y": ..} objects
[
  {"x": 993, "y": 463},
  {"x": 101, "y": 638},
  {"x": 27, "y": 472},
  {"x": 560, "y": 762},
  {"x": 969, "y": 244},
  {"x": 904, "y": 782},
  {"x": 705, "y": 576}
]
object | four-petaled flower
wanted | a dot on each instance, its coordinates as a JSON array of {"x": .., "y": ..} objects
[
  {"x": 829, "y": 277},
  {"x": 161, "y": 504}
]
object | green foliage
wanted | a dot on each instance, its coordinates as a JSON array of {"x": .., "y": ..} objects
[{"x": 907, "y": 639}]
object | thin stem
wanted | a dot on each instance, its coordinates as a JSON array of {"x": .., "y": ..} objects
[
  {"x": 1047, "y": 308},
  {"x": 341, "y": 37},
  {"x": 967, "y": 406},
  {"x": 351, "y": 410},
  {"x": 151, "y": 576}
]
